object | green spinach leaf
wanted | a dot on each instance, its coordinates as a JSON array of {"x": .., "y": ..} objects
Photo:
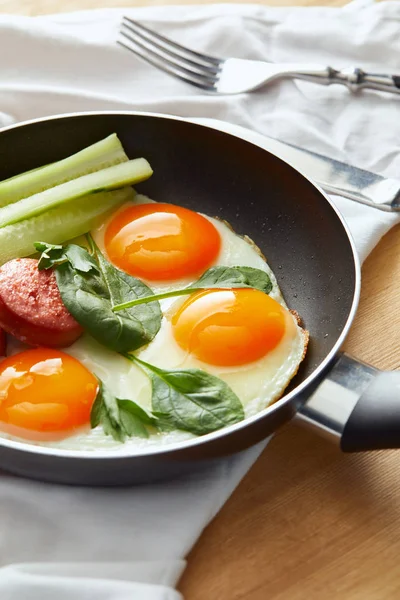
[
  {"x": 191, "y": 400},
  {"x": 119, "y": 418},
  {"x": 234, "y": 277},
  {"x": 90, "y": 286},
  {"x": 53, "y": 255},
  {"x": 216, "y": 277}
]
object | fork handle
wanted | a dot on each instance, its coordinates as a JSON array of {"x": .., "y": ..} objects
[{"x": 352, "y": 77}]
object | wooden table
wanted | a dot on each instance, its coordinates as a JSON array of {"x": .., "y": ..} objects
[
  {"x": 41, "y": 7},
  {"x": 307, "y": 522}
]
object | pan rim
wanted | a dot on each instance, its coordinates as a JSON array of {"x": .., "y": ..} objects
[{"x": 181, "y": 446}]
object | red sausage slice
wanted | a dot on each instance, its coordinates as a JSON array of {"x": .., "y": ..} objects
[
  {"x": 3, "y": 343},
  {"x": 31, "y": 308}
]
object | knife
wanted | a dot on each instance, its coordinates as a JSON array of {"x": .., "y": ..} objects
[
  {"x": 340, "y": 178},
  {"x": 331, "y": 175}
]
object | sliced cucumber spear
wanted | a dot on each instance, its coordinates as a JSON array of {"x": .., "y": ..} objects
[
  {"x": 60, "y": 224},
  {"x": 115, "y": 177},
  {"x": 101, "y": 155}
]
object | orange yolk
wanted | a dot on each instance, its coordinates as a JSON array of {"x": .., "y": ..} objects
[
  {"x": 230, "y": 327},
  {"x": 44, "y": 390},
  {"x": 161, "y": 242}
]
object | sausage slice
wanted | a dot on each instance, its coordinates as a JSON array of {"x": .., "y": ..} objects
[
  {"x": 3, "y": 343},
  {"x": 31, "y": 308}
]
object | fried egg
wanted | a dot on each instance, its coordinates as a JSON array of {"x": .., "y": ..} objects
[
  {"x": 45, "y": 394},
  {"x": 247, "y": 338}
]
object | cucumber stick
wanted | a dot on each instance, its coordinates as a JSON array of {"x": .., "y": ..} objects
[
  {"x": 60, "y": 224},
  {"x": 112, "y": 178},
  {"x": 103, "y": 154}
]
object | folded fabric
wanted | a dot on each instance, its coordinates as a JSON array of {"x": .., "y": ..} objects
[{"x": 65, "y": 542}]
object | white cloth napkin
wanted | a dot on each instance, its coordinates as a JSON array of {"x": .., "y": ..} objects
[{"x": 119, "y": 544}]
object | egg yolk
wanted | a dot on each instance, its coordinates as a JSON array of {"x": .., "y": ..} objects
[
  {"x": 161, "y": 242},
  {"x": 45, "y": 390},
  {"x": 230, "y": 327}
]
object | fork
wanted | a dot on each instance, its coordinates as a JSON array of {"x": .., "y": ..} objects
[{"x": 235, "y": 75}]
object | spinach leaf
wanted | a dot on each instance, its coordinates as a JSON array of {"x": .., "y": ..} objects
[
  {"x": 90, "y": 286},
  {"x": 119, "y": 418},
  {"x": 53, "y": 255},
  {"x": 191, "y": 400},
  {"x": 217, "y": 277},
  {"x": 234, "y": 277}
]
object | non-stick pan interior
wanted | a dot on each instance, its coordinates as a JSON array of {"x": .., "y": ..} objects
[{"x": 215, "y": 173}]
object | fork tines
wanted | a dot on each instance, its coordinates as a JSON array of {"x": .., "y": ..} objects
[{"x": 193, "y": 67}]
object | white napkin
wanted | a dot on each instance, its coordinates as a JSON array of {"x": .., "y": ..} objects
[{"x": 117, "y": 544}]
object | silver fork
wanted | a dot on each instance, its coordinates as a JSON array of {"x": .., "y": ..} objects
[{"x": 235, "y": 75}]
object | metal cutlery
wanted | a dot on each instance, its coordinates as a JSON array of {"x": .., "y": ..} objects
[
  {"x": 333, "y": 176},
  {"x": 234, "y": 75}
]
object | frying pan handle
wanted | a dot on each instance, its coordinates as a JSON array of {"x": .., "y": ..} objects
[{"x": 357, "y": 405}]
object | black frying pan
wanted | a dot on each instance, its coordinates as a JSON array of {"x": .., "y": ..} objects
[{"x": 307, "y": 246}]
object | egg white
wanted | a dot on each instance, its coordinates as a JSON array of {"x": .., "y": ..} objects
[
  {"x": 234, "y": 251},
  {"x": 256, "y": 384}
]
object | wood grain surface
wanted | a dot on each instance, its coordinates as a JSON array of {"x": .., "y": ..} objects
[
  {"x": 41, "y": 7},
  {"x": 307, "y": 522}
]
